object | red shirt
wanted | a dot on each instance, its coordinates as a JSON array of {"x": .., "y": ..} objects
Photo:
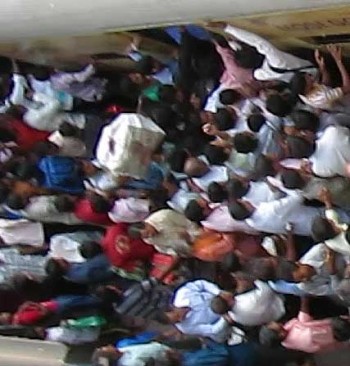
[
  {"x": 26, "y": 136},
  {"x": 123, "y": 251},
  {"x": 84, "y": 212},
  {"x": 32, "y": 313}
]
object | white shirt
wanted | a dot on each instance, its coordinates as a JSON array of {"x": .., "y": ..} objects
[
  {"x": 273, "y": 56},
  {"x": 258, "y": 306},
  {"x": 221, "y": 220},
  {"x": 216, "y": 173},
  {"x": 68, "y": 146},
  {"x": 139, "y": 354},
  {"x": 129, "y": 210},
  {"x": 332, "y": 152},
  {"x": 272, "y": 217},
  {"x": 200, "y": 320},
  {"x": 21, "y": 232},
  {"x": 49, "y": 117},
  {"x": 259, "y": 192},
  {"x": 180, "y": 200}
]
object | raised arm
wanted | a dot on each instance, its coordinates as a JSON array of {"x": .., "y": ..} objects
[{"x": 336, "y": 53}]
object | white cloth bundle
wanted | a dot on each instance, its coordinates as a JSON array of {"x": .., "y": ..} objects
[{"x": 127, "y": 143}]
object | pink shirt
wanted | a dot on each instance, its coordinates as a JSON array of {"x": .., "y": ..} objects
[{"x": 308, "y": 335}]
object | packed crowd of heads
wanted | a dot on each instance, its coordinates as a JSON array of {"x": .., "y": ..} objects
[{"x": 209, "y": 191}]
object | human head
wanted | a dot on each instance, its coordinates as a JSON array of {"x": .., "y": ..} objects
[
  {"x": 66, "y": 129},
  {"x": 170, "y": 183},
  {"x": 167, "y": 94},
  {"x": 64, "y": 203},
  {"x": 195, "y": 167},
  {"x": 88, "y": 168},
  {"x": 146, "y": 66},
  {"x": 272, "y": 334},
  {"x": 136, "y": 78},
  {"x": 255, "y": 121},
  {"x": 56, "y": 267},
  {"x": 278, "y": 105},
  {"x": 90, "y": 249},
  {"x": 229, "y": 97},
  {"x": 224, "y": 119},
  {"x": 142, "y": 230},
  {"x": 26, "y": 171},
  {"x": 215, "y": 155},
  {"x": 305, "y": 120},
  {"x": 175, "y": 315},
  {"x": 261, "y": 268},
  {"x": 196, "y": 211},
  {"x": 217, "y": 193},
  {"x": 292, "y": 179},
  {"x": 341, "y": 328},
  {"x": 293, "y": 271},
  {"x": 177, "y": 160},
  {"x": 5, "y": 318},
  {"x": 299, "y": 148},
  {"x": 44, "y": 148},
  {"x": 245, "y": 142},
  {"x": 236, "y": 188},
  {"x": 248, "y": 57},
  {"x": 221, "y": 305},
  {"x": 322, "y": 229},
  {"x": 300, "y": 84},
  {"x": 106, "y": 356},
  {"x": 16, "y": 202},
  {"x": 240, "y": 210},
  {"x": 100, "y": 204},
  {"x": 263, "y": 167}
]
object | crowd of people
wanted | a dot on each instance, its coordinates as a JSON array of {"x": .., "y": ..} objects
[{"x": 194, "y": 209}]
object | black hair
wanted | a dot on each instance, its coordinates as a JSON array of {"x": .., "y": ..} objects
[
  {"x": 297, "y": 85},
  {"x": 63, "y": 203},
  {"x": 158, "y": 199},
  {"x": 255, "y": 121},
  {"x": 43, "y": 148},
  {"x": 219, "y": 305},
  {"x": 278, "y": 105},
  {"x": 194, "y": 212},
  {"x": 164, "y": 117},
  {"x": 90, "y": 249},
  {"x": 263, "y": 167},
  {"x": 169, "y": 177},
  {"x": 305, "y": 120},
  {"x": 244, "y": 143},
  {"x": 145, "y": 65},
  {"x": 269, "y": 337},
  {"x": 299, "y": 148},
  {"x": 236, "y": 189},
  {"x": 229, "y": 97},
  {"x": 260, "y": 268},
  {"x": 6, "y": 135},
  {"x": 248, "y": 57},
  {"x": 217, "y": 193},
  {"x": 66, "y": 129},
  {"x": 167, "y": 94},
  {"x": 341, "y": 329},
  {"x": 177, "y": 160},
  {"x": 54, "y": 269},
  {"x": 216, "y": 155},
  {"x": 322, "y": 229},
  {"x": 285, "y": 269},
  {"x": 100, "y": 204},
  {"x": 292, "y": 179},
  {"x": 134, "y": 230},
  {"x": 15, "y": 202},
  {"x": 224, "y": 120},
  {"x": 4, "y": 192},
  {"x": 238, "y": 211},
  {"x": 26, "y": 171}
]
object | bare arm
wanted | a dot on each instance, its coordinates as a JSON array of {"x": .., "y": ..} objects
[
  {"x": 291, "y": 254},
  {"x": 325, "y": 77},
  {"x": 336, "y": 53}
]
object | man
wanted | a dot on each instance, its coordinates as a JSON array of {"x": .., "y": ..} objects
[{"x": 192, "y": 313}]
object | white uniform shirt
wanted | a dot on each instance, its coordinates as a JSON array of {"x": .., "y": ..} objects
[
  {"x": 216, "y": 173},
  {"x": 332, "y": 152},
  {"x": 258, "y": 306}
]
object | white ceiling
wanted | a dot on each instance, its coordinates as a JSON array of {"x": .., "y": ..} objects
[{"x": 45, "y": 18}]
